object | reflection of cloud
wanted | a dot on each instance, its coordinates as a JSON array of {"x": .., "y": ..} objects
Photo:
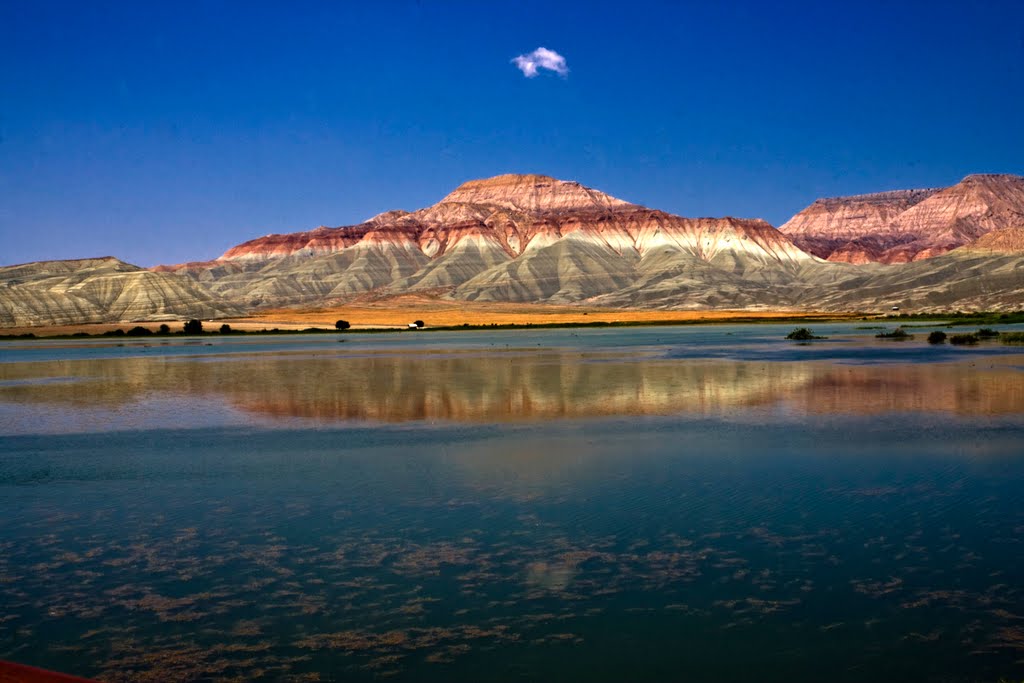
[{"x": 541, "y": 58}]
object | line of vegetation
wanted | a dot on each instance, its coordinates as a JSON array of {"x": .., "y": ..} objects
[
  {"x": 952, "y": 319},
  {"x": 188, "y": 330},
  {"x": 972, "y": 338},
  {"x": 961, "y": 319}
]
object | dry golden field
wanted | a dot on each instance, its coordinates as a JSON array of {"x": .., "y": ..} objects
[{"x": 399, "y": 312}]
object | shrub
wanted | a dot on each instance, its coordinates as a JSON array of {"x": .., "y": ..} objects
[
  {"x": 225, "y": 329},
  {"x": 964, "y": 339},
  {"x": 193, "y": 327},
  {"x": 139, "y": 331},
  {"x": 164, "y": 328},
  {"x": 1012, "y": 338},
  {"x": 802, "y": 334},
  {"x": 341, "y": 325},
  {"x": 937, "y": 337},
  {"x": 418, "y": 323},
  {"x": 899, "y": 333},
  {"x": 986, "y": 333}
]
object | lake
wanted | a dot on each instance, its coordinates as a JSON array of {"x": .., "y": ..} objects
[{"x": 650, "y": 503}]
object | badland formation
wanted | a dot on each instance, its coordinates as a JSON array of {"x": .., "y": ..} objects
[{"x": 532, "y": 238}]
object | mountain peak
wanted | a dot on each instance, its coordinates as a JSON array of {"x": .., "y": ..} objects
[
  {"x": 531, "y": 192},
  {"x": 507, "y": 179}
]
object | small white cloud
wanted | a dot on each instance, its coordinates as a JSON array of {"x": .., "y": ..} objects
[{"x": 541, "y": 58}]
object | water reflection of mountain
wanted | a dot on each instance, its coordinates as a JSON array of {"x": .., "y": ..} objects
[{"x": 497, "y": 386}]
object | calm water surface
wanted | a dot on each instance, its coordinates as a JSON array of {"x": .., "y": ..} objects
[{"x": 704, "y": 503}]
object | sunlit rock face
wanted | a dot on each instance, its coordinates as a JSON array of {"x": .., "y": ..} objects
[
  {"x": 508, "y": 238},
  {"x": 531, "y": 193},
  {"x": 507, "y": 210},
  {"x": 909, "y": 225},
  {"x": 536, "y": 239},
  {"x": 1005, "y": 241},
  {"x": 842, "y": 228},
  {"x": 517, "y": 213},
  {"x": 100, "y": 290}
]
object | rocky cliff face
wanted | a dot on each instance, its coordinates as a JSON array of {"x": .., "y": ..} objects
[
  {"x": 531, "y": 193},
  {"x": 836, "y": 225},
  {"x": 501, "y": 210},
  {"x": 1006, "y": 241},
  {"x": 100, "y": 290},
  {"x": 532, "y": 238},
  {"x": 904, "y": 226},
  {"x": 512, "y": 237},
  {"x": 516, "y": 213}
]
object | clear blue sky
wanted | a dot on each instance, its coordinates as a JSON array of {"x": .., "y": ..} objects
[{"x": 164, "y": 132}]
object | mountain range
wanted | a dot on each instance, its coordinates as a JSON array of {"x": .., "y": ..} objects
[{"x": 533, "y": 238}]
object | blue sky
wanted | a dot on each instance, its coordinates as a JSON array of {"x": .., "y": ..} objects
[{"x": 164, "y": 132}]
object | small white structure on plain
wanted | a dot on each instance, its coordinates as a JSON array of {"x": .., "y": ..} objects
[{"x": 413, "y": 326}]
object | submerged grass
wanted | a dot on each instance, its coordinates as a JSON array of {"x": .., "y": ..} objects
[
  {"x": 803, "y": 334},
  {"x": 899, "y": 334},
  {"x": 964, "y": 339}
]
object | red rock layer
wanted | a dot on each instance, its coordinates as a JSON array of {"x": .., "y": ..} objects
[
  {"x": 517, "y": 213},
  {"x": 910, "y": 225}
]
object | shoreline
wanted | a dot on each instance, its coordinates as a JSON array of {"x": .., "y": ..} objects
[
  {"x": 375, "y": 320},
  {"x": 396, "y": 315}
]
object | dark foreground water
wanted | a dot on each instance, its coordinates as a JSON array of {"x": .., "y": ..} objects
[{"x": 596, "y": 507}]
